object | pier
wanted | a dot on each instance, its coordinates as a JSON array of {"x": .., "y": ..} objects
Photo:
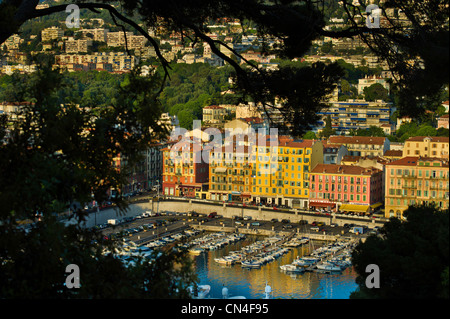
[{"x": 268, "y": 232}]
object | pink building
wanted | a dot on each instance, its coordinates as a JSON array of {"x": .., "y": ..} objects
[{"x": 346, "y": 188}]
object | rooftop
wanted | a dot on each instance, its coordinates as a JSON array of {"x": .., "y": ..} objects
[
  {"x": 441, "y": 139},
  {"x": 414, "y": 160},
  {"x": 356, "y": 140},
  {"x": 344, "y": 169}
]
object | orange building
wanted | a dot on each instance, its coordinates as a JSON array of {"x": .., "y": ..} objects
[{"x": 416, "y": 180}]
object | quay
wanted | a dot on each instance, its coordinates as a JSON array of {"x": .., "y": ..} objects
[{"x": 268, "y": 232}]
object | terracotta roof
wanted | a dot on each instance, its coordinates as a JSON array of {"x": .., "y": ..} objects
[
  {"x": 393, "y": 153},
  {"x": 442, "y": 139},
  {"x": 350, "y": 158},
  {"x": 356, "y": 140},
  {"x": 413, "y": 161},
  {"x": 405, "y": 161},
  {"x": 344, "y": 169},
  {"x": 298, "y": 144},
  {"x": 256, "y": 120}
]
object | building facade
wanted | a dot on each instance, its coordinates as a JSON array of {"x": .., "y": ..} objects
[
  {"x": 355, "y": 114},
  {"x": 345, "y": 188},
  {"x": 185, "y": 171},
  {"x": 416, "y": 180},
  {"x": 362, "y": 145},
  {"x": 427, "y": 146},
  {"x": 230, "y": 173},
  {"x": 282, "y": 178}
]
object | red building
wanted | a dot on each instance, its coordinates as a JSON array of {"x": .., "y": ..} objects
[{"x": 185, "y": 171}]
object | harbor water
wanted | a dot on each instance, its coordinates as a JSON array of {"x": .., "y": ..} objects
[{"x": 251, "y": 283}]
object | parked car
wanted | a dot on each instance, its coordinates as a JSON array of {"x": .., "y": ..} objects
[
  {"x": 285, "y": 221},
  {"x": 274, "y": 220},
  {"x": 315, "y": 228},
  {"x": 212, "y": 215}
]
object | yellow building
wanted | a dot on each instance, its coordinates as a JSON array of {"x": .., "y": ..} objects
[
  {"x": 283, "y": 178},
  {"x": 416, "y": 180},
  {"x": 230, "y": 173},
  {"x": 426, "y": 146}
]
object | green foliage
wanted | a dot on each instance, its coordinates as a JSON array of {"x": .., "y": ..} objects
[
  {"x": 412, "y": 255},
  {"x": 410, "y": 129},
  {"x": 300, "y": 88},
  {"x": 192, "y": 87},
  {"x": 376, "y": 92},
  {"x": 328, "y": 129},
  {"x": 60, "y": 155},
  {"x": 310, "y": 135},
  {"x": 371, "y": 131}
]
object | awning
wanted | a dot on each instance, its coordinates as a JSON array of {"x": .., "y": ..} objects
[
  {"x": 321, "y": 204},
  {"x": 376, "y": 205},
  {"x": 354, "y": 208}
]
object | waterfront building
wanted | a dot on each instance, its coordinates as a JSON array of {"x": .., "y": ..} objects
[
  {"x": 416, "y": 180},
  {"x": 185, "y": 171},
  {"x": 282, "y": 178},
  {"x": 136, "y": 178},
  {"x": 362, "y": 145},
  {"x": 346, "y": 188},
  {"x": 427, "y": 146},
  {"x": 230, "y": 173},
  {"x": 154, "y": 163}
]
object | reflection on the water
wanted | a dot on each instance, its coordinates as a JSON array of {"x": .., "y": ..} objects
[{"x": 251, "y": 282}]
